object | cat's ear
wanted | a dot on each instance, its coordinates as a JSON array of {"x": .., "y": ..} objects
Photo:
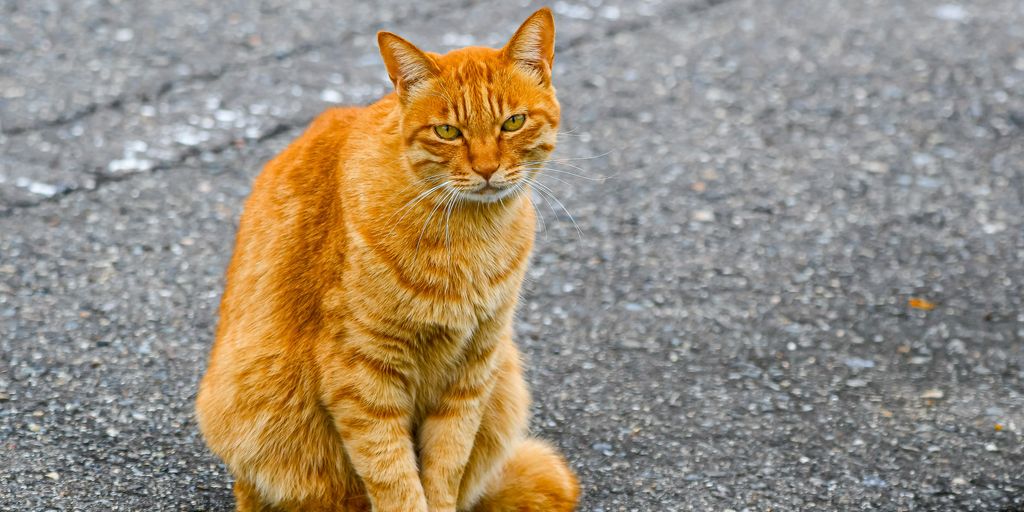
[
  {"x": 407, "y": 65},
  {"x": 533, "y": 45}
]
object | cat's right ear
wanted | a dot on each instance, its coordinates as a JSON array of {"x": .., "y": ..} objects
[{"x": 408, "y": 67}]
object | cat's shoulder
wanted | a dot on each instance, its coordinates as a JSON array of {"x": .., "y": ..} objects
[
  {"x": 341, "y": 117},
  {"x": 332, "y": 119}
]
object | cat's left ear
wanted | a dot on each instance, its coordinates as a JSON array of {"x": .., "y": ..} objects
[
  {"x": 408, "y": 67},
  {"x": 533, "y": 45}
]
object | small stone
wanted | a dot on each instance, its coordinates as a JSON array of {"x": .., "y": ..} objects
[
  {"x": 53, "y": 475},
  {"x": 922, "y": 159},
  {"x": 225, "y": 116},
  {"x": 610, "y": 12},
  {"x": 703, "y": 216},
  {"x": 858, "y": 363},
  {"x": 856, "y": 383},
  {"x": 633, "y": 306},
  {"x": 331, "y": 96},
  {"x": 876, "y": 167},
  {"x": 874, "y": 481},
  {"x": 34, "y": 427},
  {"x": 933, "y": 394},
  {"x": 43, "y": 189},
  {"x": 112, "y": 432},
  {"x": 14, "y": 92},
  {"x": 124, "y": 35},
  {"x": 956, "y": 347},
  {"x": 991, "y": 228},
  {"x": 951, "y": 12},
  {"x": 991, "y": 447}
]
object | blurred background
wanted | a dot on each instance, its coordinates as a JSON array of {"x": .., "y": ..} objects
[{"x": 796, "y": 284}]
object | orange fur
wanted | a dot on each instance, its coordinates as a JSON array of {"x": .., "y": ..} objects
[{"x": 364, "y": 357}]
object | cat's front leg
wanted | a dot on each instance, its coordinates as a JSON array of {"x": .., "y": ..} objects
[
  {"x": 372, "y": 409},
  {"x": 447, "y": 434}
]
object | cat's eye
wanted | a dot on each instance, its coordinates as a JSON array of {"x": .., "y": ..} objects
[
  {"x": 447, "y": 131},
  {"x": 514, "y": 123}
]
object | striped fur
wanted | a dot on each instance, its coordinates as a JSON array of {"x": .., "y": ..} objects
[{"x": 364, "y": 357}]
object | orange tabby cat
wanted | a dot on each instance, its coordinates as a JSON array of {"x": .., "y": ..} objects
[{"x": 364, "y": 357}]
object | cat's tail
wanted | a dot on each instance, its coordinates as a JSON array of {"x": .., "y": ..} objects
[{"x": 535, "y": 479}]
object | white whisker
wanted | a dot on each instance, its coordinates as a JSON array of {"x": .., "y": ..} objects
[
  {"x": 447, "y": 226},
  {"x": 560, "y": 180},
  {"x": 573, "y": 159},
  {"x": 426, "y": 222},
  {"x": 545, "y": 190},
  {"x": 600, "y": 179},
  {"x": 540, "y": 216},
  {"x": 409, "y": 207}
]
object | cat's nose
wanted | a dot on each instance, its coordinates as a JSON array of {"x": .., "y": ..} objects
[{"x": 486, "y": 170}]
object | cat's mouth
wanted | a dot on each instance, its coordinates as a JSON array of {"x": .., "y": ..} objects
[{"x": 490, "y": 193}]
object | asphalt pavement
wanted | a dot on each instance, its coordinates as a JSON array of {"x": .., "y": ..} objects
[{"x": 797, "y": 281}]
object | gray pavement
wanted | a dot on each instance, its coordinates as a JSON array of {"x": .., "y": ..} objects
[{"x": 729, "y": 330}]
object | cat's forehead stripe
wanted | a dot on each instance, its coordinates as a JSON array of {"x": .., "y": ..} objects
[
  {"x": 495, "y": 102},
  {"x": 468, "y": 103}
]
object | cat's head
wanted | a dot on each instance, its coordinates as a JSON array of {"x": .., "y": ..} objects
[{"x": 477, "y": 122}]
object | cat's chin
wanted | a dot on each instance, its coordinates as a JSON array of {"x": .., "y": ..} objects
[{"x": 491, "y": 195}]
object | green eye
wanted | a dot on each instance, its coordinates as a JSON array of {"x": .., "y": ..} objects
[
  {"x": 447, "y": 131},
  {"x": 514, "y": 123}
]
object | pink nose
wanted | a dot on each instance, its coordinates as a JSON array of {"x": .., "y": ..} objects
[{"x": 486, "y": 171}]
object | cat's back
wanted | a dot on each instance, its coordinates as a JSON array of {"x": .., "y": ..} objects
[
  {"x": 308, "y": 168},
  {"x": 282, "y": 230},
  {"x": 312, "y": 154}
]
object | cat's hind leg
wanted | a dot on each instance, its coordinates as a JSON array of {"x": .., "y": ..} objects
[{"x": 247, "y": 498}]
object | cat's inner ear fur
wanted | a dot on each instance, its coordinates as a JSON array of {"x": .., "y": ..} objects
[
  {"x": 533, "y": 46},
  {"x": 408, "y": 67}
]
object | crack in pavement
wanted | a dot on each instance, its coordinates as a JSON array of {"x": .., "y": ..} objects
[
  {"x": 102, "y": 179},
  {"x": 168, "y": 86},
  {"x": 154, "y": 93}
]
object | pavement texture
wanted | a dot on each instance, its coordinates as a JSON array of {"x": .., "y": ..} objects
[{"x": 796, "y": 285}]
